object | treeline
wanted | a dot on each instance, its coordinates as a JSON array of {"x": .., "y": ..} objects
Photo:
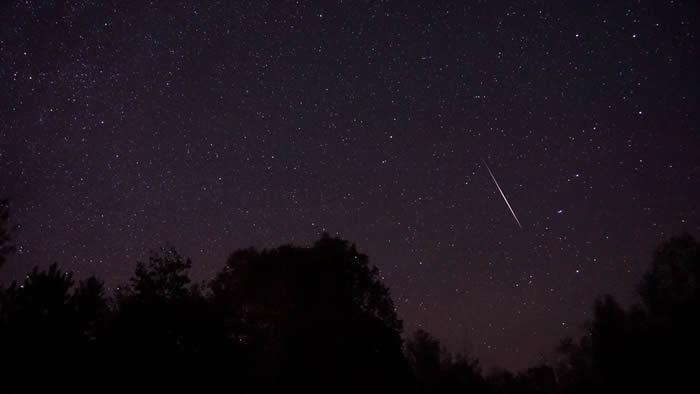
[{"x": 308, "y": 319}]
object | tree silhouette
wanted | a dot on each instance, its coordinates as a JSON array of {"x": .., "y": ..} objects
[
  {"x": 318, "y": 315},
  {"x": 575, "y": 369},
  {"x": 164, "y": 337},
  {"x": 648, "y": 348},
  {"x": 435, "y": 370},
  {"x": 317, "y": 318},
  {"x": 670, "y": 292},
  {"x": 39, "y": 332},
  {"x": 6, "y": 246},
  {"x": 426, "y": 356},
  {"x": 539, "y": 379},
  {"x": 163, "y": 278},
  {"x": 671, "y": 287},
  {"x": 91, "y": 306},
  {"x": 502, "y": 381}
]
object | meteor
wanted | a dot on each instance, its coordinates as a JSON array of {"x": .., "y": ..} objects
[{"x": 502, "y": 195}]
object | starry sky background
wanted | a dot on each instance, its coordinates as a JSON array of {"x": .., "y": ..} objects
[{"x": 221, "y": 125}]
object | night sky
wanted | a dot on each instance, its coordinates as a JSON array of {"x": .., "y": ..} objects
[{"x": 221, "y": 125}]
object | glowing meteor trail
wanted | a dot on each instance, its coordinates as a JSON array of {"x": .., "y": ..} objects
[{"x": 503, "y": 195}]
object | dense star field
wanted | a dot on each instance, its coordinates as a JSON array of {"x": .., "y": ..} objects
[{"x": 221, "y": 125}]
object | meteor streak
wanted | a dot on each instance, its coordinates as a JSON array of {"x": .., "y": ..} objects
[{"x": 502, "y": 195}]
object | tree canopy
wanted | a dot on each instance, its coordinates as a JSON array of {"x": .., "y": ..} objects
[
  {"x": 6, "y": 230},
  {"x": 317, "y": 318}
]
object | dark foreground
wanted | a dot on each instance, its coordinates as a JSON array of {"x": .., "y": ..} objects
[{"x": 298, "y": 319}]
